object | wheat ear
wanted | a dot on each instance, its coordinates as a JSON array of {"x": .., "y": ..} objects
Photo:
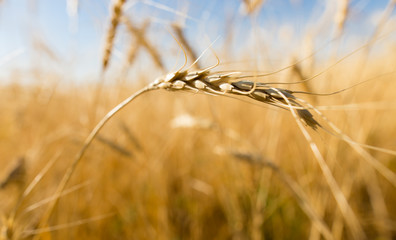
[
  {"x": 197, "y": 81},
  {"x": 139, "y": 34},
  {"x": 341, "y": 15},
  {"x": 115, "y": 19}
]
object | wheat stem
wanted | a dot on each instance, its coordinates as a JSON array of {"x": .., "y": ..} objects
[
  {"x": 87, "y": 143},
  {"x": 346, "y": 210}
]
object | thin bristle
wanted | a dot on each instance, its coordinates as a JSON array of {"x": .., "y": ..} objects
[{"x": 182, "y": 38}]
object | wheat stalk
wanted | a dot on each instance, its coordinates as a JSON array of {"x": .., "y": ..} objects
[
  {"x": 359, "y": 148},
  {"x": 196, "y": 81},
  {"x": 231, "y": 84},
  {"x": 346, "y": 210},
  {"x": 299, "y": 194},
  {"x": 87, "y": 143}
]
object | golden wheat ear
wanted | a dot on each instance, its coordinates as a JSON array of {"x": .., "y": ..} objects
[{"x": 114, "y": 21}]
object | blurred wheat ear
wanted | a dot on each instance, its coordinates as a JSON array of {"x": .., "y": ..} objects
[
  {"x": 139, "y": 34},
  {"x": 115, "y": 19},
  {"x": 252, "y": 6},
  {"x": 16, "y": 176}
]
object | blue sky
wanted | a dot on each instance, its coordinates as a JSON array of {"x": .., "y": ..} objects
[{"x": 25, "y": 24}]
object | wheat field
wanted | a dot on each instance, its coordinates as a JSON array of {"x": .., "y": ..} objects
[{"x": 291, "y": 135}]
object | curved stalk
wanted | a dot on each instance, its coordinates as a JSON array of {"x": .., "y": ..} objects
[{"x": 80, "y": 155}]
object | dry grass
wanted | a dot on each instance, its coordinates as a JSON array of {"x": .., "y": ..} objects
[{"x": 167, "y": 166}]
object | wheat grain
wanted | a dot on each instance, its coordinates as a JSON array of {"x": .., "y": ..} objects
[{"x": 222, "y": 84}]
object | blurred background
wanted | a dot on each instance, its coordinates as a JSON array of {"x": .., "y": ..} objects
[
  {"x": 68, "y": 36},
  {"x": 177, "y": 165}
]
